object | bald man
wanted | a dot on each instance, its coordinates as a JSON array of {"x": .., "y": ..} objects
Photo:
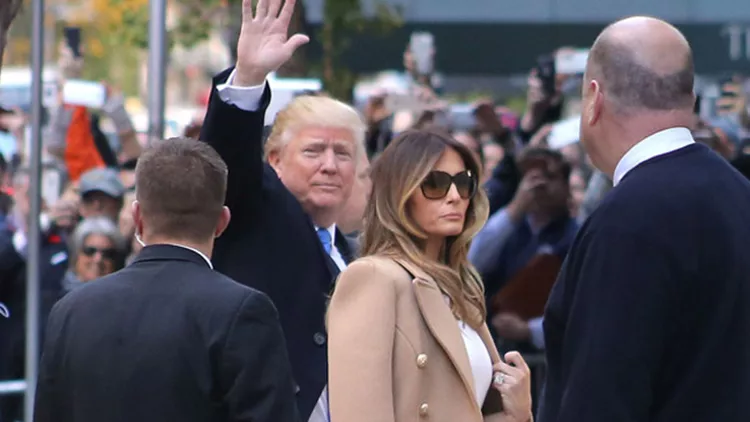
[{"x": 650, "y": 317}]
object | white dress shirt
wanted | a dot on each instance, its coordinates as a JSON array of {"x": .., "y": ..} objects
[
  {"x": 659, "y": 143},
  {"x": 335, "y": 253},
  {"x": 243, "y": 97}
]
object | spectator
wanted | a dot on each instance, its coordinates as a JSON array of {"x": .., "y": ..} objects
[
  {"x": 96, "y": 249},
  {"x": 101, "y": 193}
]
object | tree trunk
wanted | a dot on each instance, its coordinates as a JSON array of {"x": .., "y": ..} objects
[{"x": 8, "y": 11}]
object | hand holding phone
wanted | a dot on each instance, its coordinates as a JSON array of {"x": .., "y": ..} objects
[
  {"x": 73, "y": 40},
  {"x": 422, "y": 47},
  {"x": 84, "y": 93},
  {"x": 547, "y": 74}
]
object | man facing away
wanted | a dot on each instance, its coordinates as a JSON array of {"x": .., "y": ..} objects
[
  {"x": 168, "y": 338},
  {"x": 286, "y": 194},
  {"x": 650, "y": 317}
]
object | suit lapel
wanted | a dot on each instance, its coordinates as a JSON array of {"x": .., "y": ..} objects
[
  {"x": 443, "y": 325},
  {"x": 344, "y": 246}
]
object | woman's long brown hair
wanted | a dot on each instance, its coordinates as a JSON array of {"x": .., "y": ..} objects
[{"x": 390, "y": 231}]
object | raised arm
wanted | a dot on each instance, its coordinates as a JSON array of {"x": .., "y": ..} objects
[
  {"x": 240, "y": 96},
  {"x": 236, "y": 134}
]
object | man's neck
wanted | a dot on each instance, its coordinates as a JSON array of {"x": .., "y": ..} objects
[
  {"x": 323, "y": 222},
  {"x": 636, "y": 128},
  {"x": 206, "y": 248}
]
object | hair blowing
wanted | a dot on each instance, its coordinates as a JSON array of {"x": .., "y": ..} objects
[
  {"x": 390, "y": 231},
  {"x": 181, "y": 185}
]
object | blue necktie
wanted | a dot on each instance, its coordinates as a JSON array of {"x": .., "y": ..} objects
[{"x": 325, "y": 239}]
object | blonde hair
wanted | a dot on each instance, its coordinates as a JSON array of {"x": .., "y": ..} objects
[
  {"x": 314, "y": 110},
  {"x": 390, "y": 231}
]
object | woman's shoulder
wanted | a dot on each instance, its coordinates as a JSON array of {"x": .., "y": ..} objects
[{"x": 377, "y": 266}]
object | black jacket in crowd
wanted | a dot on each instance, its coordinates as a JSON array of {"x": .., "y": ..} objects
[
  {"x": 165, "y": 339},
  {"x": 650, "y": 317}
]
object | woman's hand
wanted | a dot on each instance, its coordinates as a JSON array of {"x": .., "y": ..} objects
[{"x": 514, "y": 384}]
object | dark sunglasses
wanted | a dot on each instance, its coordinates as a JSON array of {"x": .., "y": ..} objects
[
  {"x": 437, "y": 184},
  {"x": 107, "y": 253}
]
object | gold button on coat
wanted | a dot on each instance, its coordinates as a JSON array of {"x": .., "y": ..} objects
[
  {"x": 422, "y": 360},
  {"x": 423, "y": 409}
]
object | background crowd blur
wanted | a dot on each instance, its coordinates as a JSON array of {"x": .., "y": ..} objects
[{"x": 540, "y": 182}]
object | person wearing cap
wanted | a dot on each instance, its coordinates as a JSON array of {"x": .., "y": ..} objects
[{"x": 101, "y": 193}]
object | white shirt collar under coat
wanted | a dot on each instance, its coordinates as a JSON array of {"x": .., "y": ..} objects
[
  {"x": 331, "y": 230},
  {"x": 208, "y": 261},
  {"x": 659, "y": 143}
]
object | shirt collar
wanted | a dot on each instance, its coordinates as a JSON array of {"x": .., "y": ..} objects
[
  {"x": 659, "y": 143},
  {"x": 332, "y": 231},
  {"x": 208, "y": 261}
]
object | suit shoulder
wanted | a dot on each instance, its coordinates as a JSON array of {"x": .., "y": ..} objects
[{"x": 91, "y": 292}]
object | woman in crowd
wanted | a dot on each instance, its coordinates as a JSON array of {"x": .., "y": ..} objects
[
  {"x": 97, "y": 249},
  {"x": 407, "y": 332}
]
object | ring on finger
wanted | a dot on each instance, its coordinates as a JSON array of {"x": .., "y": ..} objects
[{"x": 499, "y": 378}]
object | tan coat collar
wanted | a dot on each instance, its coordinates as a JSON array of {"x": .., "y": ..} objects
[{"x": 444, "y": 326}]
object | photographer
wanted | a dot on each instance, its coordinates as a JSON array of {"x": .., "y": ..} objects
[{"x": 536, "y": 221}]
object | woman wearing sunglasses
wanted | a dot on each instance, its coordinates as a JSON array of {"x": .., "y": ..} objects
[
  {"x": 97, "y": 249},
  {"x": 406, "y": 322}
]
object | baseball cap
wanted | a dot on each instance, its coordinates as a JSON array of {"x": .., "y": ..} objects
[{"x": 103, "y": 180}]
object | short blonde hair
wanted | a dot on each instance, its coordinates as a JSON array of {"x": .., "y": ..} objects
[{"x": 315, "y": 110}]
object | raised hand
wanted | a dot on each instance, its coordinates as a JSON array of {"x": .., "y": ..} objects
[{"x": 263, "y": 45}]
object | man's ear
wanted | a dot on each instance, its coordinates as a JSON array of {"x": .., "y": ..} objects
[
  {"x": 274, "y": 159},
  {"x": 137, "y": 219},
  {"x": 595, "y": 106},
  {"x": 223, "y": 223}
]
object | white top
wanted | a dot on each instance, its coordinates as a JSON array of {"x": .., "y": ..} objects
[
  {"x": 480, "y": 360},
  {"x": 659, "y": 143}
]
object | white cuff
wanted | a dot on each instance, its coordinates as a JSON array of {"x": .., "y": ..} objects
[
  {"x": 537, "y": 332},
  {"x": 243, "y": 97},
  {"x": 19, "y": 241}
]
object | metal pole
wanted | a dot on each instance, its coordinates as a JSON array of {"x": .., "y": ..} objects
[
  {"x": 34, "y": 235},
  {"x": 157, "y": 64}
]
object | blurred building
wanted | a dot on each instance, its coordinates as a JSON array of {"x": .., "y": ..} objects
[{"x": 488, "y": 38}]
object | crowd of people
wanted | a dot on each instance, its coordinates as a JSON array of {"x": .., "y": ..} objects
[{"x": 384, "y": 265}]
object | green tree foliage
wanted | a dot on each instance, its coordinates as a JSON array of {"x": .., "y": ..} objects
[
  {"x": 8, "y": 11},
  {"x": 342, "y": 19}
]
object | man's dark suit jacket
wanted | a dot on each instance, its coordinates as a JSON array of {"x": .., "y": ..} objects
[
  {"x": 649, "y": 320},
  {"x": 53, "y": 262},
  {"x": 271, "y": 244},
  {"x": 165, "y": 339}
]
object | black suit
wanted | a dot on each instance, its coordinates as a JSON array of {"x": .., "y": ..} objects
[
  {"x": 53, "y": 262},
  {"x": 165, "y": 339},
  {"x": 271, "y": 243},
  {"x": 649, "y": 320}
]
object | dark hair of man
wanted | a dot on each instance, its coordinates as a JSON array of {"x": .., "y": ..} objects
[
  {"x": 561, "y": 165},
  {"x": 181, "y": 186},
  {"x": 634, "y": 86}
]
